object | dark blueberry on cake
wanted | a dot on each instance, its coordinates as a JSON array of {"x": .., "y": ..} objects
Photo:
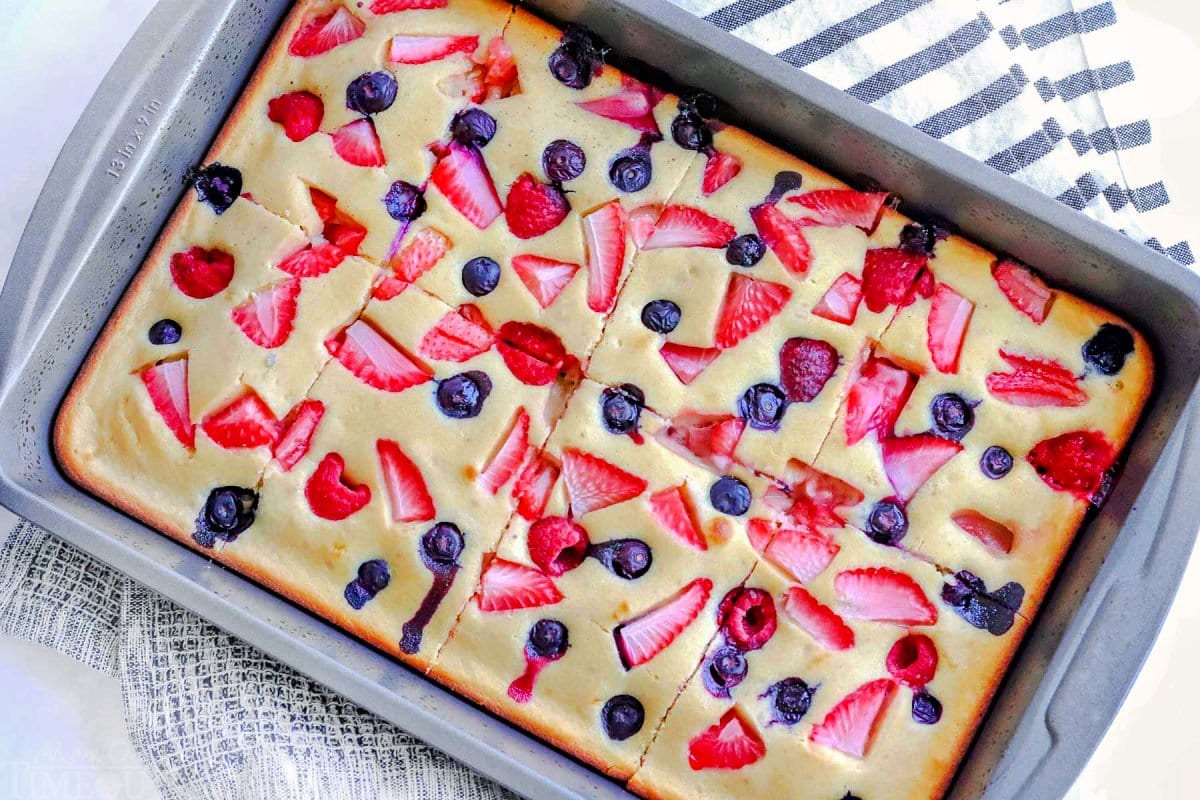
[
  {"x": 442, "y": 544},
  {"x": 622, "y": 717},
  {"x": 480, "y": 276},
  {"x": 461, "y": 396},
  {"x": 563, "y": 161},
  {"x": 786, "y": 181},
  {"x": 745, "y": 250},
  {"x": 918, "y": 239},
  {"x": 356, "y": 595},
  {"x": 578, "y": 58},
  {"x": 404, "y": 202},
  {"x": 216, "y": 184},
  {"x": 548, "y": 638},
  {"x": 699, "y": 103},
  {"x": 1106, "y": 351},
  {"x": 726, "y": 668},
  {"x": 887, "y": 523},
  {"x": 165, "y": 331},
  {"x": 996, "y": 462},
  {"x": 373, "y": 575},
  {"x": 473, "y": 127},
  {"x": 626, "y": 558},
  {"x": 790, "y": 699},
  {"x": 926, "y": 709},
  {"x": 993, "y": 612},
  {"x": 371, "y": 92},
  {"x": 227, "y": 512},
  {"x": 661, "y": 316},
  {"x": 621, "y": 408},
  {"x": 762, "y": 405},
  {"x": 631, "y": 170},
  {"x": 729, "y": 495},
  {"x": 953, "y": 417},
  {"x": 690, "y": 131},
  {"x": 850, "y": 796}
]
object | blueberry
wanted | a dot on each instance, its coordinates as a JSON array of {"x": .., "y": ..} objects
[
  {"x": 626, "y": 558},
  {"x": 371, "y": 92},
  {"x": 631, "y": 170},
  {"x": 165, "y": 331},
  {"x": 729, "y": 495},
  {"x": 461, "y": 396},
  {"x": 480, "y": 275},
  {"x": 563, "y": 161},
  {"x": 745, "y": 250},
  {"x": 356, "y": 595},
  {"x": 1106, "y": 351},
  {"x": 622, "y": 717},
  {"x": 726, "y": 668},
  {"x": 785, "y": 181},
  {"x": 473, "y": 127},
  {"x": 691, "y": 132},
  {"x": 227, "y": 512},
  {"x": 926, "y": 709},
  {"x": 578, "y": 58},
  {"x": 790, "y": 699},
  {"x": 442, "y": 544},
  {"x": 548, "y": 638},
  {"x": 993, "y": 612},
  {"x": 918, "y": 239},
  {"x": 996, "y": 462},
  {"x": 887, "y": 523},
  {"x": 953, "y": 417},
  {"x": 762, "y": 405},
  {"x": 404, "y": 202},
  {"x": 700, "y": 103},
  {"x": 621, "y": 407},
  {"x": 850, "y": 796},
  {"x": 373, "y": 575},
  {"x": 661, "y": 316},
  {"x": 217, "y": 185}
]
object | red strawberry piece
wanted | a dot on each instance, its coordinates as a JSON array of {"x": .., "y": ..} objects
[
  {"x": 841, "y": 207},
  {"x": 1028, "y": 293},
  {"x": 532, "y": 489},
  {"x": 268, "y": 317},
  {"x": 1073, "y": 462},
  {"x": 673, "y": 510},
  {"x": 320, "y": 34},
  {"x": 805, "y": 366},
  {"x": 706, "y": 439},
  {"x": 388, "y": 286},
  {"x": 593, "y": 483},
  {"x": 876, "y": 399},
  {"x": 300, "y": 114},
  {"x": 641, "y": 222},
  {"x": 500, "y": 78},
  {"x": 408, "y": 496},
  {"x": 889, "y": 274},
  {"x": 423, "y": 49},
  {"x": 995, "y": 536},
  {"x": 375, "y": 359},
  {"x": 632, "y": 106},
  {"x": 357, "y": 143},
  {"x": 880, "y": 594},
  {"x": 688, "y": 362},
  {"x": 949, "y": 315},
  {"x": 382, "y": 7},
  {"x": 1035, "y": 382},
  {"x": 922, "y": 287},
  {"x": 534, "y": 208},
  {"x": 462, "y": 176},
  {"x": 817, "y": 620},
  {"x": 201, "y": 273},
  {"x": 719, "y": 169},
  {"x": 841, "y": 299},
  {"x": 730, "y": 743},
  {"x": 297, "y": 431},
  {"x": 604, "y": 236},
  {"x": 323, "y": 203},
  {"x": 851, "y": 725},
  {"x": 817, "y": 496},
  {"x": 508, "y": 586},
  {"x": 784, "y": 236},
  {"x": 801, "y": 554},
  {"x": 545, "y": 278},
  {"x": 421, "y": 253},
  {"x": 458, "y": 336},
  {"x": 312, "y": 261},
  {"x": 509, "y": 455},
  {"x": 557, "y": 545},
  {"x": 329, "y": 493},
  {"x": 913, "y": 660},
  {"x": 648, "y": 634},
  {"x": 246, "y": 422},
  {"x": 749, "y": 304},
  {"x": 910, "y": 461},
  {"x": 534, "y": 355},
  {"x": 167, "y": 384},
  {"x": 747, "y": 616},
  {"x": 686, "y": 226},
  {"x": 346, "y": 235}
]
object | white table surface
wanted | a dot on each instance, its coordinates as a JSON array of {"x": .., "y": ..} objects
[{"x": 61, "y": 730}]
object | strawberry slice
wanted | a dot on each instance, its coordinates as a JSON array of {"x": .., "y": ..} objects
[
  {"x": 593, "y": 483},
  {"x": 340, "y": 229},
  {"x": 802, "y": 554},
  {"x": 1074, "y": 462},
  {"x": 1036, "y": 382},
  {"x": 388, "y": 286},
  {"x": 320, "y": 34},
  {"x": 819, "y": 621},
  {"x": 509, "y": 454},
  {"x": 641, "y": 223},
  {"x": 784, "y": 236},
  {"x": 730, "y": 743},
  {"x": 201, "y": 273},
  {"x": 648, "y": 634},
  {"x": 632, "y": 106},
  {"x": 534, "y": 355},
  {"x": 375, "y": 359},
  {"x": 357, "y": 143},
  {"x": 842, "y": 207},
  {"x": 673, "y": 510},
  {"x": 706, "y": 439},
  {"x": 421, "y": 253},
  {"x": 1028, "y": 293},
  {"x": 889, "y": 275},
  {"x": 330, "y": 495},
  {"x": 686, "y": 226},
  {"x": 841, "y": 299},
  {"x": 297, "y": 432},
  {"x": 462, "y": 176},
  {"x": 532, "y": 490},
  {"x": 382, "y": 7},
  {"x": 749, "y": 304},
  {"x": 688, "y": 362},
  {"x": 876, "y": 399},
  {"x": 850, "y": 726},
  {"x": 167, "y": 384},
  {"x": 949, "y": 315},
  {"x": 995, "y": 536},
  {"x": 458, "y": 336},
  {"x": 719, "y": 169},
  {"x": 884, "y": 595},
  {"x": 300, "y": 114},
  {"x": 408, "y": 497},
  {"x": 533, "y": 208},
  {"x": 269, "y": 316},
  {"x": 492, "y": 75},
  {"x": 910, "y": 461},
  {"x": 244, "y": 423},
  {"x": 313, "y": 260},
  {"x": 815, "y": 497},
  {"x": 424, "y": 49},
  {"x": 544, "y": 277},
  {"x": 604, "y": 237},
  {"x": 508, "y": 586}
]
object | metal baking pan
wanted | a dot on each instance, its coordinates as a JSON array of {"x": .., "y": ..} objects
[{"x": 119, "y": 176}]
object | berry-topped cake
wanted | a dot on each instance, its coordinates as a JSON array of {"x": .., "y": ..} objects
[{"x": 662, "y": 444}]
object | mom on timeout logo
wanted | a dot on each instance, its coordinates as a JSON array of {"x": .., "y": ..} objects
[{"x": 58, "y": 774}]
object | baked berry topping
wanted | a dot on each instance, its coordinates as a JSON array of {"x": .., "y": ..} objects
[
  {"x": 953, "y": 417},
  {"x": 621, "y": 408},
  {"x": 690, "y": 131},
  {"x": 918, "y": 238},
  {"x": 763, "y": 405},
  {"x": 563, "y": 161},
  {"x": 1074, "y": 462},
  {"x": 547, "y": 642},
  {"x": 730, "y": 495},
  {"x": 227, "y": 512},
  {"x": 216, "y": 184},
  {"x": 404, "y": 202},
  {"x": 926, "y": 709},
  {"x": 785, "y": 181},
  {"x": 1035, "y": 382},
  {"x": 629, "y": 559},
  {"x": 322, "y": 32},
  {"x": 165, "y": 331},
  {"x": 631, "y": 170},
  {"x": 442, "y": 544},
  {"x": 461, "y": 396},
  {"x": 604, "y": 238},
  {"x": 993, "y": 612},
  {"x": 473, "y": 127},
  {"x": 578, "y": 58},
  {"x": 805, "y": 366},
  {"x": 533, "y": 208},
  {"x": 373, "y": 577},
  {"x": 747, "y": 617},
  {"x": 622, "y": 717},
  {"x": 790, "y": 699},
  {"x": 851, "y": 725},
  {"x": 480, "y": 276},
  {"x": 996, "y": 536},
  {"x": 887, "y": 523},
  {"x": 1027, "y": 292},
  {"x": 300, "y": 114},
  {"x": 440, "y": 548},
  {"x": 661, "y": 316},
  {"x": 201, "y": 273},
  {"x": 371, "y": 92},
  {"x": 645, "y": 636},
  {"x": 745, "y": 250},
  {"x": 557, "y": 545},
  {"x": 726, "y": 668},
  {"x": 996, "y": 462},
  {"x": 1107, "y": 350},
  {"x": 732, "y": 742},
  {"x": 913, "y": 660}
]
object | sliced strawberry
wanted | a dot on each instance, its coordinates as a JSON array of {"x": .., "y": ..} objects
[
  {"x": 889, "y": 275},
  {"x": 421, "y": 253},
  {"x": 533, "y": 208},
  {"x": 201, "y": 273},
  {"x": 357, "y": 143},
  {"x": 910, "y": 461},
  {"x": 375, "y": 359},
  {"x": 949, "y": 315},
  {"x": 593, "y": 483},
  {"x": 719, "y": 169},
  {"x": 876, "y": 399},
  {"x": 313, "y": 260},
  {"x": 532, "y": 490},
  {"x": 534, "y": 355},
  {"x": 557, "y": 545},
  {"x": 922, "y": 287},
  {"x": 707, "y": 439},
  {"x": 805, "y": 366},
  {"x": 300, "y": 114},
  {"x": 458, "y": 336},
  {"x": 1074, "y": 462},
  {"x": 995, "y": 536},
  {"x": 320, "y": 34},
  {"x": 508, "y": 586},
  {"x": 819, "y": 621},
  {"x": 688, "y": 362},
  {"x": 424, "y": 49},
  {"x": 880, "y": 594},
  {"x": 509, "y": 455},
  {"x": 850, "y": 726},
  {"x": 913, "y": 660},
  {"x": 816, "y": 497},
  {"x": 387, "y": 286},
  {"x": 492, "y": 75},
  {"x": 167, "y": 384},
  {"x": 1035, "y": 382},
  {"x": 641, "y": 222},
  {"x": 687, "y": 226},
  {"x": 330, "y": 495},
  {"x": 246, "y": 422},
  {"x": 462, "y": 176},
  {"x": 1028, "y": 293},
  {"x": 673, "y": 510},
  {"x": 340, "y": 229},
  {"x": 730, "y": 743},
  {"x": 392, "y": 6},
  {"x": 632, "y": 106},
  {"x": 784, "y": 236},
  {"x": 802, "y": 554},
  {"x": 408, "y": 497},
  {"x": 841, "y": 207},
  {"x": 841, "y": 299},
  {"x": 749, "y": 304},
  {"x": 604, "y": 237},
  {"x": 545, "y": 278},
  {"x": 297, "y": 430},
  {"x": 323, "y": 203},
  {"x": 648, "y": 634},
  {"x": 269, "y": 316}
]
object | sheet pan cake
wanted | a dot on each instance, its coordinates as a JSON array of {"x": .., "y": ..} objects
[{"x": 721, "y": 475}]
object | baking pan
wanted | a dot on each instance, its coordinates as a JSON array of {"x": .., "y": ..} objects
[{"x": 119, "y": 176}]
